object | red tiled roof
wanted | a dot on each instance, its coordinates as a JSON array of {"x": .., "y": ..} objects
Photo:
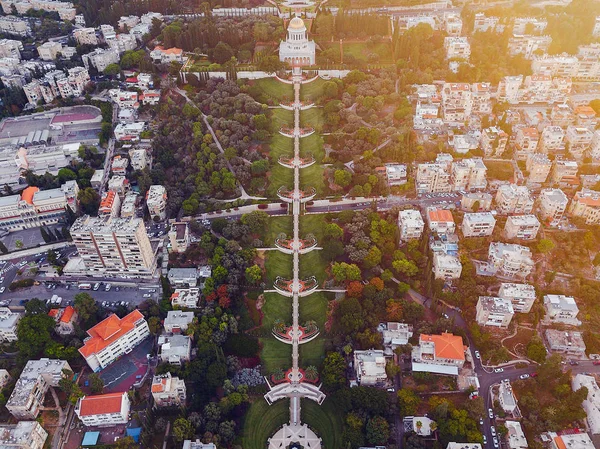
[
  {"x": 67, "y": 314},
  {"x": 107, "y": 331},
  {"x": 53, "y": 313},
  {"x": 447, "y": 346},
  {"x": 157, "y": 388},
  {"x": 27, "y": 194},
  {"x": 441, "y": 215},
  {"x": 101, "y": 404}
]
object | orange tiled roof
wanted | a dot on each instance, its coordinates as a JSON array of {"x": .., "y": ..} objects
[
  {"x": 108, "y": 331},
  {"x": 27, "y": 194},
  {"x": 560, "y": 444},
  {"x": 100, "y": 404},
  {"x": 53, "y": 313},
  {"x": 67, "y": 314},
  {"x": 108, "y": 200},
  {"x": 157, "y": 388},
  {"x": 531, "y": 132},
  {"x": 440, "y": 215},
  {"x": 169, "y": 51},
  {"x": 589, "y": 201},
  {"x": 447, "y": 346},
  {"x": 585, "y": 110}
]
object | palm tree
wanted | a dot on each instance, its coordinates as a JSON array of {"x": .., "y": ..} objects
[{"x": 311, "y": 373}]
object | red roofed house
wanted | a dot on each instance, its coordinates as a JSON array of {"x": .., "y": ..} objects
[
  {"x": 151, "y": 97},
  {"x": 586, "y": 204},
  {"x": 104, "y": 410},
  {"x": 160, "y": 55},
  {"x": 168, "y": 391},
  {"x": 441, "y": 354},
  {"x": 440, "y": 221},
  {"x": 113, "y": 337},
  {"x": 66, "y": 323}
]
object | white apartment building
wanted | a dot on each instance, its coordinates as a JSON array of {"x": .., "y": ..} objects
[
  {"x": 440, "y": 354},
  {"x": 564, "y": 173},
  {"x": 15, "y": 26},
  {"x": 32, "y": 208},
  {"x": 578, "y": 141},
  {"x": 408, "y": 22},
  {"x": 457, "y": 101},
  {"x": 23, "y": 435},
  {"x": 528, "y": 25},
  {"x": 493, "y": 141},
  {"x": 113, "y": 337},
  {"x": 168, "y": 391},
  {"x": 469, "y": 174},
  {"x": 482, "y": 98},
  {"x": 129, "y": 204},
  {"x": 446, "y": 266},
  {"x": 586, "y": 204},
  {"x": 104, "y": 410},
  {"x": 556, "y": 65},
  {"x": 174, "y": 349},
  {"x": 440, "y": 221},
  {"x": 140, "y": 158},
  {"x": 595, "y": 146},
  {"x": 395, "y": 174},
  {"x": 572, "y": 441},
  {"x": 150, "y": 97},
  {"x": 510, "y": 260},
  {"x": 552, "y": 139},
  {"x": 65, "y": 10},
  {"x": 394, "y": 335},
  {"x": 562, "y": 115},
  {"x": 107, "y": 31},
  {"x": 538, "y": 165},
  {"x": 491, "y": 311},
  {"x": 178, "y": 321},
  {"x": 524, "y": 227},
  {"x": 122, "y": 43},
  {"x": 552, "y": 204},
  {"x": 183, "y": 276},
  {"x": 124, "y": 98},
  {"x": 567, "y": 343},
  {"x": 527, "y": 45},
  {"x": 128, "y": 22},
  {"x": 100, "y": 59},
  {"x": 85, "y": 36},
  {"x": 160, "y": 55},
  {"x": 8, "y": 324},
  {"x": 526, "y": 142},
  {"x": 470, "y": 199},
  {"x": 185, "y": 298},
  {"x": 521, "y": 296},
  {"x": 119, "y": 184},
  {"x": 129, "y": 132},
  {"x": 369, "y": 367},
  {"x": 179, "y": 237},
  {"x": 561, "y": 309},
  {"x": 591, "y": 404},
  {"x": 112, "y": 247},
  {"x": 478, "y": 224},
  {"x": 457, "y": 48},
  {"x": 156, "y": 200},
  {"x": 33, "y": 384},
  {"x": 585, "y": 116},
  {"x": 508, "y": 89},
  {"x": 513, "y": 199},
  {"x": 515, "y": 437},
  {"x": 453, "y": 445},
  {"x": 433, "y": 177},
  {"x": 119, "y": 165},
  {"x": 507, "y": 399},
  {"x": 10, "y": 48},
  {"x": 453, "y": 24},
  {"x": 48, "y": 51},
  {"x": 411, "y": 224},
  {"x": 78, "y": 79},
  {"x": 484, "y": 24}
]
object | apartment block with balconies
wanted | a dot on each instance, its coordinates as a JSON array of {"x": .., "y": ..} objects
[
  {"x": 586, "y": 204},
  {"x": 521, "y": 296},
  {"x": 523, "y": 227},
  {"x": 513, "y": 199},
  {"x": 552, "y": 204},
  {"x": 496, "y": 312},
  {"x": 493, "y": 141}
]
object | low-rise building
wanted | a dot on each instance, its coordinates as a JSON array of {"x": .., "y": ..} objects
[
  {"x": 521, "y": 296},
  {"x": 493, "y": 141},
  {"x": 113, "y": 337},
  {"x": 179, "y": 236},
  {"x": 49, "y": 51},
  {"x": 85, "y": 36},
  {"x": 523, "y": 25},
  {"x": 506, "y": 397},
  {"x": 32, "y": 208},
  {"x": 9, "y": 321},
  {"x": 369, "y": 367},
  {"x": 515, "y": 436},
  {"x": 100, "y": 59},
  {"x": 23, "y": 435},
  {"x": 119, "y": 184},
  {"x": 552, "y": 140},
  {"x": 491, "y": 311},
  {"x": 578, "y": 141},
  {"x": 591, "y": 404},
  {"x": 527, "y": 45},
  {"x": 510, "y": 260},
  {"x": 119, "y": 165},
  {"x": 156, "y": 200},
  {"x": 552, "y": 204},
  {"x": 150, "y": 97},
  {"x": 174, "y": 349},
  {"x": 446, "y": 266},
  {"x": 129, "y": 204},
  {"x": 476, "y": 201},
  {"x": 140, "y": 158},
  {"x": 564, "y": 173},
  {"x": 129, "y": 132},
  {"x": 66, "y": 321},
  {"x": 104, "y": 410},
  {"x": 168, "y": 391},
  {"x": 15, "y": 26},
  {"x": 538, "y": 165},
  {"x": 189, "y": 444},
  {"x": 568, "y": 343},
  {"x": 30, "y": 390},
  {"x": 526, "y": 142},
  {"x": 579, "y": 440},
  {"x": 453, "y": 445},
  {"x": 585, "y": 116},
  {"x": 124, "y": 98},
  {"x": 179, "y": 277},
  {"x": 478, "y": 224},
  {"x": 5, "y": 378},
  {"x": 110, "y": 204},
  {"x": 441, "y": 354},
  {"x": 440, "y": 221},
  {"x": 457, "y": 48},
  {"x": 178, "y": 321},
  {"x": 394, "y": 335},
  {"x": 524, "y": 227},
  {"x": 513, "y": 199},
  {"x": 586, "y": 204},
  {"x": 160, "y": 55},
  {"x": 561, "y": 309},
  {"x": 411, "y": 224},
  {"x": 186, "y": 298},
  {"x": 396, "y": 174}
]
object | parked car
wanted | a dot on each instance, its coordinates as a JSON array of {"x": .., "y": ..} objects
[
  {"x": 524, "y": 376},
  {"x": 2, "y": 289},
  {"x": 499, "y": 370},
  {"x": 495, "y": 442},
  {"x": 477, "y": 355},
  {"x": 493, "y": 431},
  {"x": 147, "y": 295},
  {"x": 596, "y": 362},
  {"x": 490, "y": 413},
  {"x": 573, "y": 362}
]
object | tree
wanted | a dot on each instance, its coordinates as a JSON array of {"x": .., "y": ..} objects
[
  {"x": 182, "y": 429},
  {"x": 378, "y": 431},
  {"x": 256, "y": 221},
  {"x": 408, "y": 402},
  {"x": 373, "y": 258},
  {"x": 270, "y": 64},
  {"x": 96, "y": 383},
  {"x": 154, "y": 325},
  {"x": 52, "y": 256},
  {"x": 545, "y": 246},
  {"x": 19, "y": 244},
  {"x": 253, "y": 274},
  {"x": 345, "y": 272},
  {"x": 34, "y": 332},
  {"x": 536, "y": 349},
  {"x": 475, "y": 207},
  {"x": 406, "y": 267},
  {"x": 227, "y": 431},
  {"x": 333, "y": 231},
  {"x": 89, "y": 200},
  {"x": 45, "y": 235},
  {"x": 112, "y": 69},
  {"x": 36, "y": 306},
  {"x": 595, "y": 105},
  {"x": 342, "y": 178},
  {"x": 125, "y": 443},
  {"x": 85, "y": 306},
  {"x": 334, "y": 367},
  {"x": 354, "y": 289}
]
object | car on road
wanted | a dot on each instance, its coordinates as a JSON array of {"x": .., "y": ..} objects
[
  {"x": 107, "y": 287},
  {"x": 147, "y": 295},
  {"x": 445, "y": 315},
  {"x": 573, "y": 362},
  {"x": 96, "y": 286},
  {"x": 495, "y": 442},
  {"x": 490, "y": 413},
  {"x": 481, "y": 421},
  {"x": 493, "y": 431},
  {"x": 477, "y": 355},
  {"x": 596, "y": 362},
  {"x": 499, "y": 370},
  {"x": 2, "y": 289},
  {"x": 484, "y": 440},
  {"x": 524, "y": 376},
  {"x": 152, "y": 291}
]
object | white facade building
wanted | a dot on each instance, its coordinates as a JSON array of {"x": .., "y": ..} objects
[
  {"x": 478, "y": 224},
  {"x": 156, "y": 200},
  {"x": 441, "y": 354},
  {"x": 491, "y": 311},
  {"x": 185, "y": 298},
  {"x": 174, "y": 349},
  {"x": 586, "y": 204},
  {"x": 48, "y": 51},
  {"x": 561, "y": 309},
  {"x": 297, "y": 50},
  {"x": 507, "y": 399},
  {"x": 457, "y": 48},
  {"x": 510, "y": 260},
  {"x": 446, "y": 266},
  {"x": 369, "y": 367},
  {"x": 100, "y": 59},
  {"x": 8, "y": 324},
  {"x": 411, "y": 224},
  {"x": 515, "y": 437},
  {"x": 524, "y": 227},
  {"x": 178, "y": 321},
  {"x": 85, "y": 36},
  {"x": 591, "y": 404},
  {"x": 522, "y": 296},
  {"x": 104, "y": 410},
  {"x": 440, "y": 221},
  {"x": 538, "y": 165},
  {"x": 168, "y": 391},
  {"x": 23, "y": 435},
  {"x": 513, "y": 199}
]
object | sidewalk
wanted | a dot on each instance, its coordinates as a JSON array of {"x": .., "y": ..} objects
[{"x": 32, "y": 251}]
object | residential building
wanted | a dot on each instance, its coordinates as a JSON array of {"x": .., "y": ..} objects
[
  {"x": 179, "y": 236},
  {"x": 113, "y": 246},
  {"x": 586, "y": 204},
  {"x": 591, "y": 404},
  {"x": 524, "y": 227},
  {"x": 440, "y": 221},
  {"x": 160, "y": 55},
  {"x": 32, "y": 208},
  {"x": 595, "y": 146},
  {"x": 578, "y": 141},
  {"x": 562, "y": 115},
  {"x": 564, "y": 173},
  {"x": 185, "y": 298},
  {"x": 14, "y": 26},
  {"x": 78, "y": 79},
  {"x": 513, "y": 199},
  {"x": 107, "y": 31},
  {"x": 407, "y": 22},
  {"x": 555, "y": 65},
  {"x": 10, "y": 48},
  {"x": 124, "y": 98},
  {"x": 30, "y": 390},
  {"x": 515, "y": 436},
  {"x": 49, "y": 51},
  {"x": 411, "y": 224},
  {"x": 65, "y": 10},
  {"x": 67, "y": 320},
  {"x": 96, "y": 179},
  {"x": 122, "y": 43},
  {"x": 497, "y": 312},
  {"x": 453, "y": 24},
  {"x": 493, "y": 141},
  {"x": 113, "y": 337},
  {"x": 469, "y": 174},
  {"x": 150, "y": 97},
  {"x": 440, "y": 354},
  {"x": 128, "y": 22},
  {"x": 104, "y": 410},
  {"x": 140, "y": 158},
  {"x": 452, "y": 445},
  {"x": 482, "y": 98},
  {"x": 529, "y": 25},
  {"x": 174, "y": 349},
  {"x": 446, "y": 266},
  {"x": 521, "y": 296},
  {"x": 528, "y": 45},
  {"x": 476, "y": 200},
  {"x": 85, "y": 36},
  {"x": 579, "y": 440},
  {"x": 119, "y": 184},
  {"x": 110, "y": 204},
  {"x": 433, "y": 177},
  {"x": 156, "y": 200},
  {"x": 100, "y": 59},
  {"x": 369, "y": 367},
  {"x": 561, "y": 309},
  {"x": 168, "y": 391},
  {"x": 552, "y": 140},
  {"x": 526, "y": 142},
  {"x": 478, "y": 224},
  {"x": 508, "y": 89},
  {"x": 23, "y": 435},
  {"x": 129, "y": 205},
  {"x": 395, "y": 335},
  {"x": 395, "y": 174},
  {"x": 585, "y": 117},
  {"x": 510, "y": 260},
  {"x": 178, "y": 321},
  {"x": 457, "y": 48},
  {"x": 119, "y": 165},
  {"x": 179, "y": 277},
  {"x": 568, "y": 343},
  {"x": 507, "y": 399},
  {"x": 538, "y": 165},
  {"x": 8, "y": 324},
  {"x": 457, "y": 100},
  {"x": 483, "y": 23},
  {"x": 552, "y": 205}
]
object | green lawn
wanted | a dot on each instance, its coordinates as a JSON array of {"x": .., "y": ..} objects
[
  {"x": 325, "y": 421},
  {"x": 279, "y": 175},
  {"x": 362, "y": 51},
  {"x": 312, "y": 144},
  {"x": 271, "y": 88},
  {"x": 277, "y": 264},
  {"x": 275, "y": 355},
  {"x": 312, "y": 117},
  {"x": 312, "y": 91},
  {"x": 262, "y": 421},
  {"x": 276, "y": 226},
  {"x": 312, "y": 177},
  {"x": 281, "y": 117}
]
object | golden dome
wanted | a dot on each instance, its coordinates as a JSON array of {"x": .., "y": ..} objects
[{"x": 296, "y": 24}]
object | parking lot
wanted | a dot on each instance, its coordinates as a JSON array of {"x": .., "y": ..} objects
[{"x": 29, "y": 237}]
